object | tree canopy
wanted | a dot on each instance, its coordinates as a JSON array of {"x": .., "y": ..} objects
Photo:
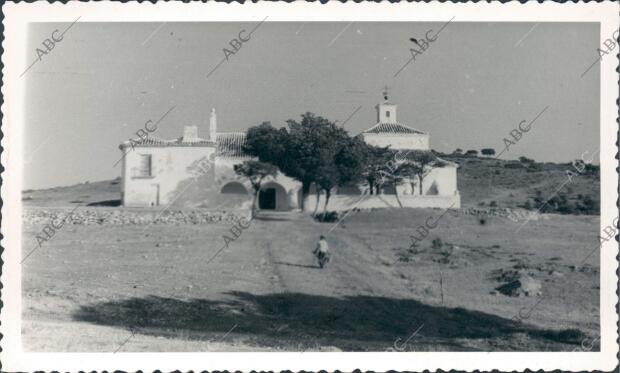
[{"x": 313, "y": 150}]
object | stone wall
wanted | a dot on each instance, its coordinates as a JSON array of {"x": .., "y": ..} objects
[
  {"x": 514, "y": 214},
  {"x": 103, "y": 216}
]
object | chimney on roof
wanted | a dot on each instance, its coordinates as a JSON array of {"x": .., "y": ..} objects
[
  {"x": 190, "y": 134},
  {"x": 213, "y": 126}
]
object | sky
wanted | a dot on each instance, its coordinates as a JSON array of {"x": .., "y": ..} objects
[{"x": 469, "y": 89}]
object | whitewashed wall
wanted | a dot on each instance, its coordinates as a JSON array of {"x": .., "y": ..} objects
[
  {"x": 443, "y": 179},
  {"x": 179, "y": 178},
  {"x": 344, "y": 202},
  {"x": 171, "y": 172},
  {"x": 399, "y": 141},
  {"x": 440, "y": 180}
]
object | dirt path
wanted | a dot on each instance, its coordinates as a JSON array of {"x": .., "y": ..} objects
[{"x": 351, "y": 270}]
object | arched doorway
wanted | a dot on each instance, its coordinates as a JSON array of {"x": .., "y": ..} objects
[
  {"x": 234, "y": 187},
  {"x": 234, "y": 195},
  {"x": 273, "y": 196}
]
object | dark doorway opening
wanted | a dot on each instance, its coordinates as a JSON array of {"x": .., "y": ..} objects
[{"x": 267, "y": 199}]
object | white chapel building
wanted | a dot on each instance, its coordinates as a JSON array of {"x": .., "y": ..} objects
[{"x": 193, "y": 171}]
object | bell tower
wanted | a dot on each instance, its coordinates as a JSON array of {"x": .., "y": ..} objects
[{"x": 386, "y": 111}]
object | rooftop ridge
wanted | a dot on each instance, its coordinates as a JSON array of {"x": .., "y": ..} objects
[{"x": 393, "y": 127}]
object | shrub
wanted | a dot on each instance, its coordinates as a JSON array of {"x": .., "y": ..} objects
[
  {"x": 573, "y": 336},
  {"x": 584, "y": 168},
  {"x": 513, "y": 165},
  {"x": 493, "y": 204},
  {"x": 588, "y": 206},
  {"x": 533, "y": 167},
  {"x": 488, "y": 151},
  {"x": 444, "y": 249},
  {"x": 527, "y": 205},
  {"x": 327, "y": 217},
  {"x": 482, "y": 221},
  {"x": 526, "y": 160},
  {"x": 559, "y": 204},
  {"x": 592, "y": 169},
  {"x": 471, "y": 153}
]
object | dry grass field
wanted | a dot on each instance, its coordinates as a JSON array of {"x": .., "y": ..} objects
[{"x": 160, "y": 288}]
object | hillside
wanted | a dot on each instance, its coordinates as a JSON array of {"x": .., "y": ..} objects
[
  {"x": 99, "y": 193},
  {"x": 481, "y": 181},
  {"x": 491, "y": 182}
]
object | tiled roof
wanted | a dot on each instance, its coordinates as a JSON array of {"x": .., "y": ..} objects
[
  {"x": 156, "y": 142},
  {"x": 392, "y": 128},
  {"x": 230, "y": 144}
]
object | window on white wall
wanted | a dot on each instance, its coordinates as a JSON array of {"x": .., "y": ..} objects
[
  {"x": 145, "y": 166},
  {"x": 387, "y": 114}
]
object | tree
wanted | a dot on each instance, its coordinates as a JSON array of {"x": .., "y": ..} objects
[
  {"x": 458, "y": 151},
  {"x": 419, "y": 164},
  {"x": 472, "y": 153},
  {"x": 266, "y": 142},
  {"x": 393, "y": 174},
  {"x": 394, "y": 179},
  {"x": 255, "y": 171},
  {"x": 313, "y": 147},
  {"x": 349, "y": 163},
  {"x": 314, "y": 150},
  {"x": 488, "y": 152},
  {"x": 344, "y": 164},
  {"x": 327, "y": 179},
  {"x": 350, "y": 160},
  {"x": 376, "y": 167}
]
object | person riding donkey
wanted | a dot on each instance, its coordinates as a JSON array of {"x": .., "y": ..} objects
[{"x": 322, "y": 251}]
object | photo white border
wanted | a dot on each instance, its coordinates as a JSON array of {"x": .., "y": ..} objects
[{"x": 16, "y": 58}]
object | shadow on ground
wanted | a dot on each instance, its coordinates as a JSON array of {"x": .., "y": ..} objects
[
  {"x": 292, "y": 319},
  {"x": 298, "y": 265},
  {"x": 110, "y": 202},
  {"x": 271, "y": 218}
]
